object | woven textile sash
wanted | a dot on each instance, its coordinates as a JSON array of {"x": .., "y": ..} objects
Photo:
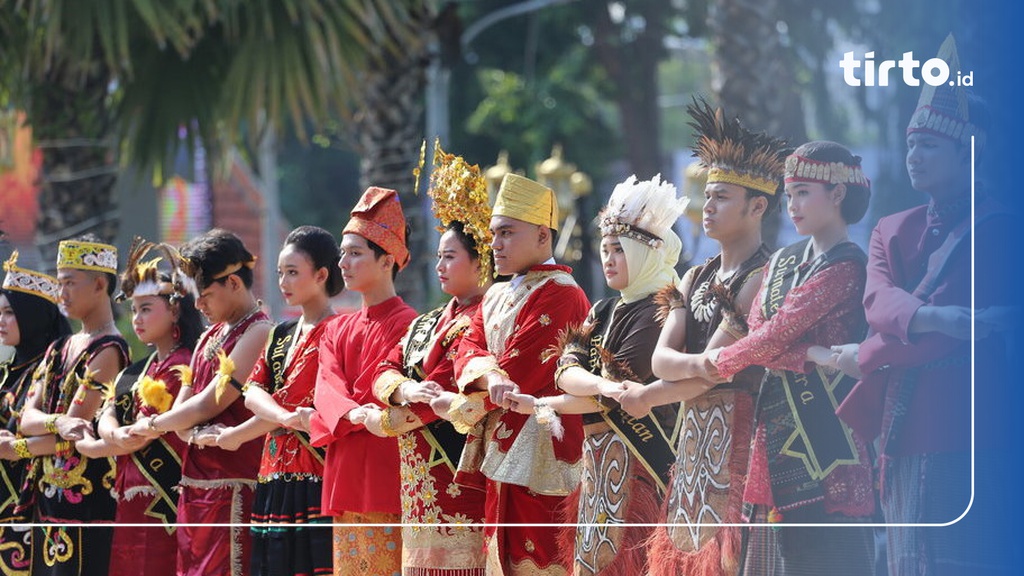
[
  {"x": 440, "y": 434},
  {"x": 277, "y": 354},
  {"x": 806, "y": 441},
  {"x": 158, "y": 462},
  {"x": 650, "y": 440}
]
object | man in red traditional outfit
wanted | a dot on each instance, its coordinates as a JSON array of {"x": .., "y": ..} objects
[
  {"x": 361, "y": 479},
  {"x": 915, "y": 392},
  {"x": 529, "y": 469}
]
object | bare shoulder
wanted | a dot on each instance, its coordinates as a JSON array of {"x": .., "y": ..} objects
[{"x": 747, "y": 292}]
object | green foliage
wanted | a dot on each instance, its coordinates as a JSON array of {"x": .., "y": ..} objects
[
  {"x": 560, "y": 107},
  {"x": 215, "y": 68}
]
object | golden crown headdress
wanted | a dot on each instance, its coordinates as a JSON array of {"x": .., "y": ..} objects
[
  {"x": 644, "y": 211},
  {"x": 733, "y": 154},
  {"x": 84, "y": 255},
  {"x": 28, "y": 281},
  {"x": 459, "y": 194}
]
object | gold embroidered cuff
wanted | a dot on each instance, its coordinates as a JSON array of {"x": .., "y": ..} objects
[
  {"x": 50, "y": 424},
  {"x": 385, "y": 423},
  {"x": 396, "y": 421},
  {"x": 386, "y": 384},
  {"x": 476, "y": 368},
  {"x": 21, "y": 448},
  {"x": 466, "y": 410}
]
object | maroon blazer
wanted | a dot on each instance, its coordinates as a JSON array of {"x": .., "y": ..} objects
[{"x": 939, "y": 411}]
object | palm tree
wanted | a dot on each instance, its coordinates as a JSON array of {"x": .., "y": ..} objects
[
  {"x": 108, "y": 82},
  {"x": 387, "y": 125}
]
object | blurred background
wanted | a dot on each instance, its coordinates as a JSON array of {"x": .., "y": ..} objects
[{"x": 164, "y": 118}]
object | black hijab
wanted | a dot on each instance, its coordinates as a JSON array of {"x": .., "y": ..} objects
[{"x": 39, "y": 322}]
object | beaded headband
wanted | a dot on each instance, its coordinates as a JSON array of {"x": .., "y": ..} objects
[
  {"x": 800, "y": 169},
  {"x": 28, "y": 281}
]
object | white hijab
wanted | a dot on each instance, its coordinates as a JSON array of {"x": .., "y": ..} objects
[{"x": 650, "y": 269}]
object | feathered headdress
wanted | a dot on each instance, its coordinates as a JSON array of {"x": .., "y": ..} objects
[
  {"x": 644, "y": 211},
  {"x": 183, "y": 272},
  {"x": 733, "y": 154},
  {"x": 459, "y": 194},
  {"x": 142, "y": 278}
]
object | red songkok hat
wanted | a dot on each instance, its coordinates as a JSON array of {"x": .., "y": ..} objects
[{"x": 378, "y": 218}]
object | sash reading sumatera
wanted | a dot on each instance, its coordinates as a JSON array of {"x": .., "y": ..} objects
[
  {"x": 277, "y": 354},
  {"x": 805, "y": 427},
  {"x": 158, "y": 462},
  {"x": 440, "y": 434},
  {"x": 651, "y": 440}
]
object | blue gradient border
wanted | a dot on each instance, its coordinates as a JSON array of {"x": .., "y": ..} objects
[{"x": 995, "y": 518}]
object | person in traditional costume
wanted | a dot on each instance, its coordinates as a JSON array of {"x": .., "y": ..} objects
[
  {"x": 626, "y": 460},
  {"x": 217, "y": 486},
  {"x": 361, "y": 476},
  {"x": 915, "y": 367},
  {"x": 708, "y": 308},
  {"x": 421, "y": 366},
  {"x": 806, "y": 466},
  {"x": 164, "y": 316},
  {"x": 29, "y": 321},
  {"x": 291, "y": 472},
  {"x": 528, "y": 470},
  {"x": 68, "y": 389}
]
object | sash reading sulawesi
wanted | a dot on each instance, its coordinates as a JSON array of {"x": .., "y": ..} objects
[
  {"x": 277, "y": 354},
  {"x": 819, "y": 441},
  {"x": 647, "y": 439},
  {"x": 158, "y": 462}
]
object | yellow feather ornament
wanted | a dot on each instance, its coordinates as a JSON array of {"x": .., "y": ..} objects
[
  {"x": 223, "y": 376},
  {"x": 154, "y": 394},
  {"x": 184, "y": 374}
]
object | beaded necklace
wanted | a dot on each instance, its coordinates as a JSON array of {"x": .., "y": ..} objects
[{"x": 214, "y": 345}]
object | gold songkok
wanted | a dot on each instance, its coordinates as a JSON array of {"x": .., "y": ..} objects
[
  {"x": 526, "y": 200},
  {"x": 81, "y": 255},
  {"x": 459, "y": 194},
  {"x": 20, "y": 279},
  {"x": 734, "y": 155}
]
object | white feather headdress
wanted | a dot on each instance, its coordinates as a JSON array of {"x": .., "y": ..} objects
[{"x": 642, "y": 210}]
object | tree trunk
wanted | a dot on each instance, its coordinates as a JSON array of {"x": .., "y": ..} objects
[
  {"x": 632, "y": 67},
  {"x": 71, "y": 122},
  {"x": 750, "y": 77},
  {"x": 387, "y": 131}
]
